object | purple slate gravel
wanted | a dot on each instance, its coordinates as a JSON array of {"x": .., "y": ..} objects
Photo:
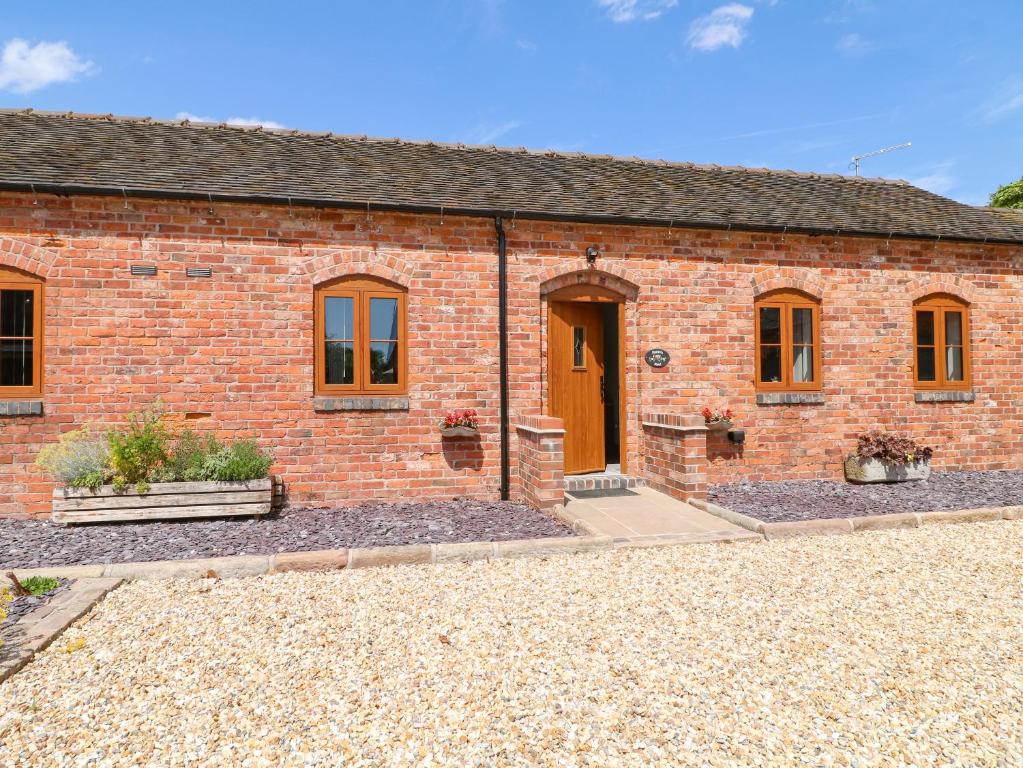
[
  {"x": 791, "y": 500},
  {"x": 35, "y": 543}
]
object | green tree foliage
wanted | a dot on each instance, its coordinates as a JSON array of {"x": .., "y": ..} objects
[{"x": 1008, "y": 195}]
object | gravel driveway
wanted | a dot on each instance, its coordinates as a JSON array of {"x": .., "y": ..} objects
[
  {"x": 775, "y": 502},
  {"x": 889, "y": 648},
  {"x": 33, "y": 543}
]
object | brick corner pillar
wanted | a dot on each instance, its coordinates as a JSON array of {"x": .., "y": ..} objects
[
  {"x": 675, "y": 455},
  {"x": 542, "y": 461}
]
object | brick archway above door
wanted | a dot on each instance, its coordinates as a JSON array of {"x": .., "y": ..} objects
[{"x": 608, "y": 276}]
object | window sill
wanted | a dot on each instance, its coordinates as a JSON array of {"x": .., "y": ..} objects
[
  {"x": 21, "y": 407},
  {"x": 790, "y": 398},
  {"x": 945, "y": 396},
  {"x": 362, "y": 403}
]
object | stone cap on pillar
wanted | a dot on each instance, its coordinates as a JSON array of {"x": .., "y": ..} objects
[
  {"x": 678, "y": 422},
  {"x": 542, "y": 425}
]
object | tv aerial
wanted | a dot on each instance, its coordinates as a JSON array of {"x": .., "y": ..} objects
[{"x": 855, "y": 164}]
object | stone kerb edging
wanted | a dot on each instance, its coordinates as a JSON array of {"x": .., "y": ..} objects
[
  {"x": 37, "y": 629},
  {"x": 831, "y": 526},
  {"x": 328, "y": 559}
]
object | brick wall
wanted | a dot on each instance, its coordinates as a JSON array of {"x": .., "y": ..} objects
[
  {"x": 542, "y": 461},
  {"x": 238, "y": 347},
  {"x": 675, "y": 455}
]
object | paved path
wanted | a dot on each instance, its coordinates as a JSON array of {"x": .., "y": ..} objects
[{"x": 644, "y": 515}]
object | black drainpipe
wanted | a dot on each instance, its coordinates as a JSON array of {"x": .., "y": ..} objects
[{"x": 502, "y": 331}]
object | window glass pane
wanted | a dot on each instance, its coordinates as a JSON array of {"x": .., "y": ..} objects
[
  {"x": 802, "y": 364},
  {"x": 16, "y": 313},
  {"x": 338, "y": 317},
  {"x": 770, "y": 364},
  {"x": 16, "y": 362},
  {"x": 925, "y": 364},
  {"x": 802, "y": 326},
  {"x": 954, "y": 363},
  {"x": 954, "y": 328},
  {"x": 579, "y": 347},
  {"x": 339, "y": 359},
  {"x": 925, "y": 328},
  {"x": 383, "y": 319},
  {"x": 383, "y": 363},
  {"x": 770, "y": 325}
]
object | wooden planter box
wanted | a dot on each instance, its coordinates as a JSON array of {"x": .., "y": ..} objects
[
  {"x": 163, "y": 501},
  {"x": 859, "y": 470}
]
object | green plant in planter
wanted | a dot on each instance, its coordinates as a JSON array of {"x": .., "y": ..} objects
[
  {"x": 139, "y": 451},
  {"x": 79, "y": 459},
  {"x": 239, "y": 461}
]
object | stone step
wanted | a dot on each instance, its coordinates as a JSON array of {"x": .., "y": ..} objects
[{"x": 601, "y": 482}]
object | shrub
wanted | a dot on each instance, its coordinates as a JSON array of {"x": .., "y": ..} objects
[
  {"x": 240, "y": 461},
  {"x": 40, "y": 585},
  {"x": 137, "y": 453},
  {"x": 146, "y": 452},
  {"x": 79, "y": 459},
  {"x": 888, "y": 447},
  {"x": 186, "y": 461}
]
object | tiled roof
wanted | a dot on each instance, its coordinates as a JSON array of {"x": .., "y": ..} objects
[{"x": 140, "y": 156}]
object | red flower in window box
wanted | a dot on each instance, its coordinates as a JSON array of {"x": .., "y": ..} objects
[
  {"x": 460, "y": 423},
  {"x": 718, "y": 420}
]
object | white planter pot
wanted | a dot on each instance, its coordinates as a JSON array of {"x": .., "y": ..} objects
[
  {"x": 719, "y": 426},
  {"x": 459, "y": 432},
  {"x": 859, "y": 470}
]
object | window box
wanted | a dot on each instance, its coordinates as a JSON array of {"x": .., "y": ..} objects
[
  {"x": 858, "y": 470},
  {"x": 459, "y": 432},
  {"x": 163, "y": 501}
]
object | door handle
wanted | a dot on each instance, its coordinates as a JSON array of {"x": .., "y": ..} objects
[{"x": 603, "y": 390}]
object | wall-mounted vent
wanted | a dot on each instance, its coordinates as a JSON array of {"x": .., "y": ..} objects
[
  {"x": 143, "y": 270},
  {"x": 198, "y": 271}
]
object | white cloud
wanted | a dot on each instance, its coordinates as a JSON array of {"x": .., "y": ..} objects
[
  {"x": 25, "y": 68},
  {"x": 244, "y": 122},
  {"x": 725, "y": 25},
  {"x": 488, "y": 133},
  {"x": 853, "y": 44},
  {"x": 1010, "y": 101},
  {"x": 526, "y": 45},
  {"x": 629, "y": 10},
  {"x": 938, "y": 180}
]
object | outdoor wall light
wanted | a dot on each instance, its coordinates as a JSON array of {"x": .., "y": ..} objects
[
  {"x": 591, "y": 254},
  {"x": 737, "y": 436}
]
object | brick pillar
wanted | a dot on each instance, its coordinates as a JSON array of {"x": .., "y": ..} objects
[
  {"x": 542, "y": 461},
  {"x": 674, "y": 455}
]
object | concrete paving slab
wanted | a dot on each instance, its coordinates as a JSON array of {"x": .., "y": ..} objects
[{"x": 651, "y": 516}]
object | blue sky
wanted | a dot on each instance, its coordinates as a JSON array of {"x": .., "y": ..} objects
[{"x": 801, "y": 84}]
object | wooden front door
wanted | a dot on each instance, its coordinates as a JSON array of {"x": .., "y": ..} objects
[{"x": 575, "y": 375}]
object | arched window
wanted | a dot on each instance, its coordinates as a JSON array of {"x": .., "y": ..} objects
[
  {"x": 941, "y": 341},
  {"x": 787, "y": 341},
  {"x": 360, "y": 330},
  {"x": 21, "y": 334}
]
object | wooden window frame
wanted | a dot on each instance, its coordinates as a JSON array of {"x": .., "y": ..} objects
[
  {"x": 361, "y": 290},
  {"x": 939, "y": 304},
  {"x": 12, "y": 280},
  {"x": 786, "y": 301}
]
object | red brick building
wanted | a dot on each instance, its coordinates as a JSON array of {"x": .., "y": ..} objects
[{"x": 333, "y": 296}]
